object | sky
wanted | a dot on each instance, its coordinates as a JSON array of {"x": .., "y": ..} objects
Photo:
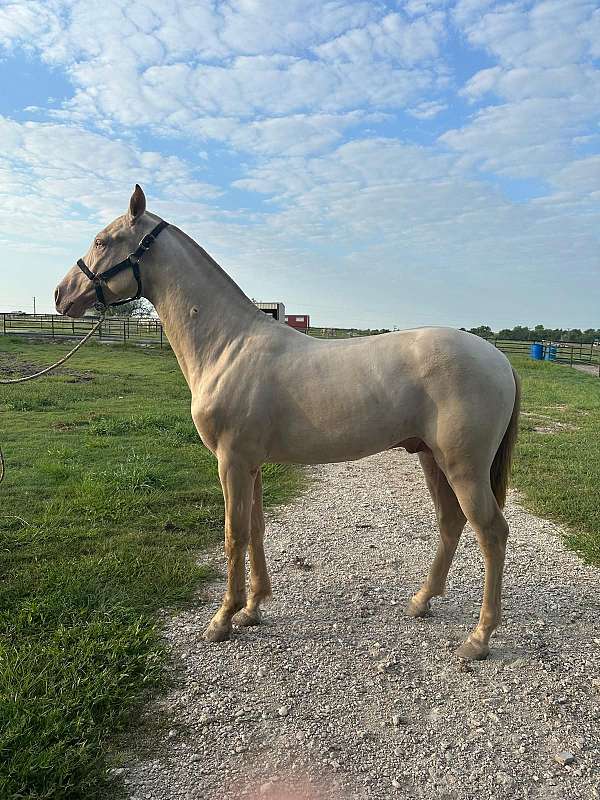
[{"x": 373, "y": 164}]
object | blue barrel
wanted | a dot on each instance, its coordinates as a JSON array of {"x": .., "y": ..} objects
[
  {"x": 550, "y": 353},
  {"x": 537, "y": 351}
]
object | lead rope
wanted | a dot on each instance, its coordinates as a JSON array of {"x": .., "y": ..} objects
[{"x": 44, "y": 372}]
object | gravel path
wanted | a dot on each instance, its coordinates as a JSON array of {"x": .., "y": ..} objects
[{"x": 341, "y": 697}]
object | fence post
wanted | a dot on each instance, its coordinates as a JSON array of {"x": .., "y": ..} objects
[
  {"x": 571, "y": 355},
  {"x": 4, "y": 323},
  {"x": 124, "y": 333},
  {"x": 161, "y": 342},
  {"x": 52, "y": 323}
]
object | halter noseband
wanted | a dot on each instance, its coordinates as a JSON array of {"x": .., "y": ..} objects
[{"x": 132, "y": 260}]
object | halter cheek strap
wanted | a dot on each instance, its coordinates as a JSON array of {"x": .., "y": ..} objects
[{"x": 99, "y": 279}]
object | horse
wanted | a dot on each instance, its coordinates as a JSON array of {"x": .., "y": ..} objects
[{"x": 445, "y": 394}]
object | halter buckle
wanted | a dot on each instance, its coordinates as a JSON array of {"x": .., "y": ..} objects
[{"x": 147, "y": 241}]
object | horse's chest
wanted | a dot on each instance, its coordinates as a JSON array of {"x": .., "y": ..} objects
[{"x": 208, "y": 422}]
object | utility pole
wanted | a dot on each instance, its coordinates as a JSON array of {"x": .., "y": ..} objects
[{"x": 34, "y": 306}]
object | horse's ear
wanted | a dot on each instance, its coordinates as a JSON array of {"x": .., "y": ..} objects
[{"x": 137, "y": 204}]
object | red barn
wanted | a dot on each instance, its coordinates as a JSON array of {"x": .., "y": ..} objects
[{"x": 301, "y": 322}]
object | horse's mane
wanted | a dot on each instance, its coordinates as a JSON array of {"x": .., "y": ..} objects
[{"x": 209, "y": 258}]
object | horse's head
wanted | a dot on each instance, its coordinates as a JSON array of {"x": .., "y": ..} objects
[{"x": 77, "y": 291}]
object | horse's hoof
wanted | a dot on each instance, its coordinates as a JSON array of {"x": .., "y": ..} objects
[
  {"x": 472, "y": 650},
  {"x": 416, "y": 609},
  {"x": 246, "y": 619},
  {"x": 217, "y": 633}
]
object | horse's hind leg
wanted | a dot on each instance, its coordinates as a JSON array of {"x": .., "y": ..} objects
[
  {"x": 451, "y": 521},
  {"x": 260, "y": 584},
  {"x": 481, "y": 509}
]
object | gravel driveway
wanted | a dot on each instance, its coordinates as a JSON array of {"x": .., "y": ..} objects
[{"x": 341, "y": 697}]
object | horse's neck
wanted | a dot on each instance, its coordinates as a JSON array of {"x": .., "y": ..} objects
[{"x": 204, "y": 313}]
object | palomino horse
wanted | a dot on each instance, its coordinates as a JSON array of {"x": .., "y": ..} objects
[{"x": 446, "y": 394}]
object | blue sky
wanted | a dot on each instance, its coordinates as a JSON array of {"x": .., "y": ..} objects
[{"x": 370, "y": 163}]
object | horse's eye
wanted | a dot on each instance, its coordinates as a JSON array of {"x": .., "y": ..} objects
[{"x": 98, "y": 243}]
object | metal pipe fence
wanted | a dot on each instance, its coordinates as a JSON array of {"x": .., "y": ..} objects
[
  {"x": 138, "y": 330},
  {"x": 572, "y": 353}
]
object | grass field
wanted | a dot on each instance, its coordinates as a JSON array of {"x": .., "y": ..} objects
[
  {"x": 107, "y": 500},
  {"x": 557, "y": 469}
]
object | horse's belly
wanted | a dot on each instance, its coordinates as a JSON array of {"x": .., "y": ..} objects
[{"x": 341, "y": 441}]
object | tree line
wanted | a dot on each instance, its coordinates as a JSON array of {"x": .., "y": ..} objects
[{"x": 539, "y": 332}]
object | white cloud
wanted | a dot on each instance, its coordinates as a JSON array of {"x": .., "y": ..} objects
[
  {"x": 533, "y": 137},
  {"x": 49, "y": 171},
  {"x": 579, "y": 181},
  {"x": 299, "y": 134},
  {"x": 467, "y": 11},
  {"x": 427, "y": 109},
  {"x": 415, "y": 7},
  {"x": 189, "y": 67},
  {"x": 175, "y": 95},
  {"x": 20, "y": 23},
  {"x": 254, "y": 28},
  {"x": 391, "y": 37},
  {"x": 542, "y": 34},
  {"x": 548, "y": 85}
]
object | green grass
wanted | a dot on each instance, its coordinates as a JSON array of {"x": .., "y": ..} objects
[
  {"x": 557, "y": 468},
  {"x": 107, "y": 500}
]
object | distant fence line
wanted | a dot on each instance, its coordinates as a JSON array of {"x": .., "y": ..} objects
[
  {"x": 142, "y": 330},
  {"x": 573, "y": 353},
  {"x": 139, "y": 330}
]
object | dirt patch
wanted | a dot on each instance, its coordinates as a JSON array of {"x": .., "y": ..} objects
[
  {"x": 556, "y": 427},
  {"x": 13, "y": 367},
  {"x": 591, "y": 369},
  {"x": 65, "y": 427},
  {"x": 543, "y": 423}
]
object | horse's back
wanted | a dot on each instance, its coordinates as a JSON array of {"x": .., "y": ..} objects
[{"x": 366, "y": 394}]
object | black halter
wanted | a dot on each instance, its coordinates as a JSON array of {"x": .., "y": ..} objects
[{"x": 132, "y": 260}]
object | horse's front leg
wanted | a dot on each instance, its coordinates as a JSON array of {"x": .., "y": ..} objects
[
  {"x": 237, "y": 480},
  {"x": 260, "y": 585}
]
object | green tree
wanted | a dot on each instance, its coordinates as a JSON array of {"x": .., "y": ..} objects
[
  {"x": 484, "y": 331},
  {"x": 136, "y": 308}
]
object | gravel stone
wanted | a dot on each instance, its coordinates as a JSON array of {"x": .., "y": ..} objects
[
  {"x": 564, "y": 757},
  {"x": 465, "y": 730}
]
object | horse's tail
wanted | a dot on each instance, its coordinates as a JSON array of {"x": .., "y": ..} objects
[{"x": 500, "y": 469}]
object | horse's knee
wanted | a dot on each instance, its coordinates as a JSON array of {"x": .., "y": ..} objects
[{"x": 450, "y": 523}]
